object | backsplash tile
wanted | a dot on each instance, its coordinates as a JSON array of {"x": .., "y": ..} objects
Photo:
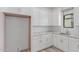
[
  {"x": 72, "y": 31},
  {"x": 46, "y": 29}
]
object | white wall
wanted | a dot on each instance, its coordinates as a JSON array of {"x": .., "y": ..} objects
[{"x": 22, "y": 10}]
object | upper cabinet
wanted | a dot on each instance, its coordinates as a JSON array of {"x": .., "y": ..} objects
[
  {"x": 35, "y": 16},
  {"x": 76, "y": 16},
  {"x": 43, "y": 16},
  {"x": 40, "y": 16},
  {"x": 56, "y": 17},
  {"x": 50, "y": 17}
]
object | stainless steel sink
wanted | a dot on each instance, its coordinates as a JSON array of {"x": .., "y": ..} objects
[
  {"x": 64, "y": 34},
  {"x": 69, "y": 35}
]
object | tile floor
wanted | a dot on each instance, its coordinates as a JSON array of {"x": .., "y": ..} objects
[{"x": 51, "y": 49}]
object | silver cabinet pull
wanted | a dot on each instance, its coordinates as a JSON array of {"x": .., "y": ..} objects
[
  {"x": 40, "y": 41},
  {"x": 61, "y": 41},
  {"x": 78, "y": 46}
]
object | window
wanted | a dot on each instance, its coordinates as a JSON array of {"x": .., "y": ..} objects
[{"x": 68, "y": 20}]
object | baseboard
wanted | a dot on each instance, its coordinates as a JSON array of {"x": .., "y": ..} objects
[{"x": 24, "y": 50}]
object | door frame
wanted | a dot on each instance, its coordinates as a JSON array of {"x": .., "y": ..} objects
[{"x": 3, "y": 14}]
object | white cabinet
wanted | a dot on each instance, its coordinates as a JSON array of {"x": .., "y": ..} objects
[
  {"x": 73, "y": 45},
  {"x": 35, "y": 16},
  {"x": 61, "y": 42},
  {"x": 76, "y": 16},
  {"x": 42, "y": 41},
  {"x": 50, "y": 39},
  {"x": 47, "y": 40},
  {"x": 44, "y": 17},
  {"x": 65, "y": 43},
  {"x": 54, "y": 40},
  {"x": 50, "y": 17},
  {"x": 35, "y": 45},
  {"x": 56, "y": 17},
  {"x": 40, "y": 16}
]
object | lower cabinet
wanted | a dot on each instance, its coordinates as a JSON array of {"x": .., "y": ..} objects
[
  {"x": 47, "y": 40},
  {"x": 41, "y": 41},
  {"x": 61, "y": 42},
  {"x": 35, "y": 43},
  {"x": 73, "y": 45},
  {"x": 64, "y": 43}
]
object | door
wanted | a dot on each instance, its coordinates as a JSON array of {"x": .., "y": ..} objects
[{"x": 17, "y": 34}]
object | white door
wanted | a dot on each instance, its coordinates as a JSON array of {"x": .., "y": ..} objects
[{"x": 17, "y": 34}]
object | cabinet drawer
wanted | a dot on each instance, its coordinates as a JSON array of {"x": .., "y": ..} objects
[{"x": 73, "y": 44}]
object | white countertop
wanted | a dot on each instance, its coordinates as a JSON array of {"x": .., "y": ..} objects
[
  {"x": 72, "y": 36},
  {"x": 44, "y": 33}
]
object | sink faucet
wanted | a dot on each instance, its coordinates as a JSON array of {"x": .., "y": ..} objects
[{"x": 67, "y": 32}]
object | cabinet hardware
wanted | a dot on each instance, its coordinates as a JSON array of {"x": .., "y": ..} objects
[
  {"x": 61, "y": 41},
  {"x": 78, "y": 46},
  {"x": 40, "y": 41}
]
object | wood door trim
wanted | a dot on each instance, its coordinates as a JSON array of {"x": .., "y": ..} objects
[
  {"x": 15, "y": 14},
  {"x": 24, "y": 16},
  {"x": 30, "y": 33}
]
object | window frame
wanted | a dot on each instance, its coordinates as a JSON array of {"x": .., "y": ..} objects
[{"x": 72, "y": 21}]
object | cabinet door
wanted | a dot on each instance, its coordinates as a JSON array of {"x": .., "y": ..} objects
[
  {"x": 50, "y": 20},
  {"x": 43, "y": 41},
  {"x": 50, "y": 38},
  {"x": 44, "y": 17},
  {"x": 73, "y": 45},
  {"x": 35, "y": 44},
  {"x": 35, "y": 16},
  {"x": 76, "y": 15},
  {"x": 56, "y": 17},
  {"x": 62, "y": 42},
  {"x": 54, "y": 40},
  {"x": 46, "y": 41}
]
